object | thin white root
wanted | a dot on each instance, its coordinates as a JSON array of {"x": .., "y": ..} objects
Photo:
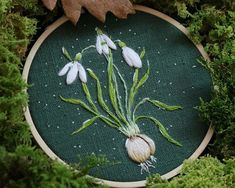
[
  {"x": 145, "y": 166},
  {"x": 153, "y": 159},
  {"x": 149, "y": 164}
]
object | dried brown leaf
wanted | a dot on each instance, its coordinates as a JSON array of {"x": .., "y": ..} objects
[
  {"x": 50, "y": 4},
  {"x": 98, "y": 8}
]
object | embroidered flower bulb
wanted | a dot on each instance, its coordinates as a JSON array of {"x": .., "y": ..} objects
[
  {"x": 150, "y": 143},
  {"x": 140, "y": 148}
]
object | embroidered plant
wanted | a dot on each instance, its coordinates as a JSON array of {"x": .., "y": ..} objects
[
  {"x": 73, "y": 68},
  {"x": 103, "y": 43},
  {"x": 140, "y": 147}
]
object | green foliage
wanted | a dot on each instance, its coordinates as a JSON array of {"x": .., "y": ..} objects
[
  {"x": 215, "y": 28},
  {"x": 201, "y": 173},
  {"x": 15, "y": 34},
  {"x": 29, "y": 167}
]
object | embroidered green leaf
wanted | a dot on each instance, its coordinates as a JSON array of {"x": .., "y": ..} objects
[
  {"x": 161, "y": 128},
  {"x": 66, "y": 53},
  {"x": 86, "y": 124},
  {"x": 143, "y": 79},
  {"x": 100, "y": 97},
  {"x": 132, "y": 94},
  {"x": 137, "y": 106},
  {"x": 135, "y": 86},
  {"x": 142, "y": 54},
  {"x": 164, "y": 106},
  {"x": 77, "y": 101},
  {"x": 85, "y": 106},
  {"x": 109, "y": 122},
  {"x": 124, "y": 84},
  {"x": 88, "y": 96},
  {"x": 118, "y": 94},
  {"x": 112, "y": 91}
]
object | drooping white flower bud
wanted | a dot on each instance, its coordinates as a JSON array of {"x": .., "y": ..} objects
[
  {"x": 72, "y": 74},
  {"x": 98, "y": 44},
  {"x": 131, "y": 57},
  {"x": 109, "y": 42},
  {"x": 82, "y": 73},
  {"x": 65, "y": 69},
  {"x": 103, "y": 42},
  {"x": 105, "y": 49}
]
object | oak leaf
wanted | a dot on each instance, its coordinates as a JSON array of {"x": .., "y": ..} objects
[
  {"x": 98, "y": 8},
  {"x": 50, "y": 4}
]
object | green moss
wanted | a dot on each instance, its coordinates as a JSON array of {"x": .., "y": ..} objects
[
  {"x": 215, "y": 28},
  {"x": 15, "y": 34},
  {"x": 29, "y": 167},
  {"x": 201, "y": 173}
]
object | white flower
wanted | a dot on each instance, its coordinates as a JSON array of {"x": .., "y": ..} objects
[
  {"x": 82, "y": 73},
  {"x": 130, "y": 56},
  {"x": 73, "y": 68},
  {"x": 72, "y": 74},
  {"x": 65, "y": 69},
  {"x": 109, "y": 42},
  {"x": 103, "y": 43}
]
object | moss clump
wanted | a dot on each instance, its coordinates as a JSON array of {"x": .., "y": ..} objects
[
  {"x": 201, "y": 173},
  {"x": 29, "y": 167},
  {"x": 215, "y": 28},
  {"x": 15, "y": 34}
]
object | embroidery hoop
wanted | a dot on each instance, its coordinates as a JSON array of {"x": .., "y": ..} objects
[{"x": 52, "y": 155}]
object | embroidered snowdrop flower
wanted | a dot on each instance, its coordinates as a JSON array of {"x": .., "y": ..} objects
[
  {"x": 103, "y": 43},
  {"x": 130, "y": 56},
  {"x": 82, "y": 73},
  {"x": 72, "y": 73},
  {"x": 73, "y": 69}
]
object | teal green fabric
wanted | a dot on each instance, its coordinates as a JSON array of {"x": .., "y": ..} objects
[{"x": 175, "y": 78}]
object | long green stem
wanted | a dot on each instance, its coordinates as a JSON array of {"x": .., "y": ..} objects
[
  {"x": 135, "y": 86},
  {"x": 118, "y": 94},
  {"x": 100, "y": 97},
  {"x": 161, "y": 128},
  {"x": 124, "y": 84},
  {"x": 131, "y": 93},
  {"x": 88, "y": 96},
  {"x": 112, "y": 90},
  {"x": 137, "y": 106},
  {"x": 91, "y": 46}
]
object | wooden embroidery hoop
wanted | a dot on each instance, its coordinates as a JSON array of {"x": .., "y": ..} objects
[{"x": 52, "y": 155}]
